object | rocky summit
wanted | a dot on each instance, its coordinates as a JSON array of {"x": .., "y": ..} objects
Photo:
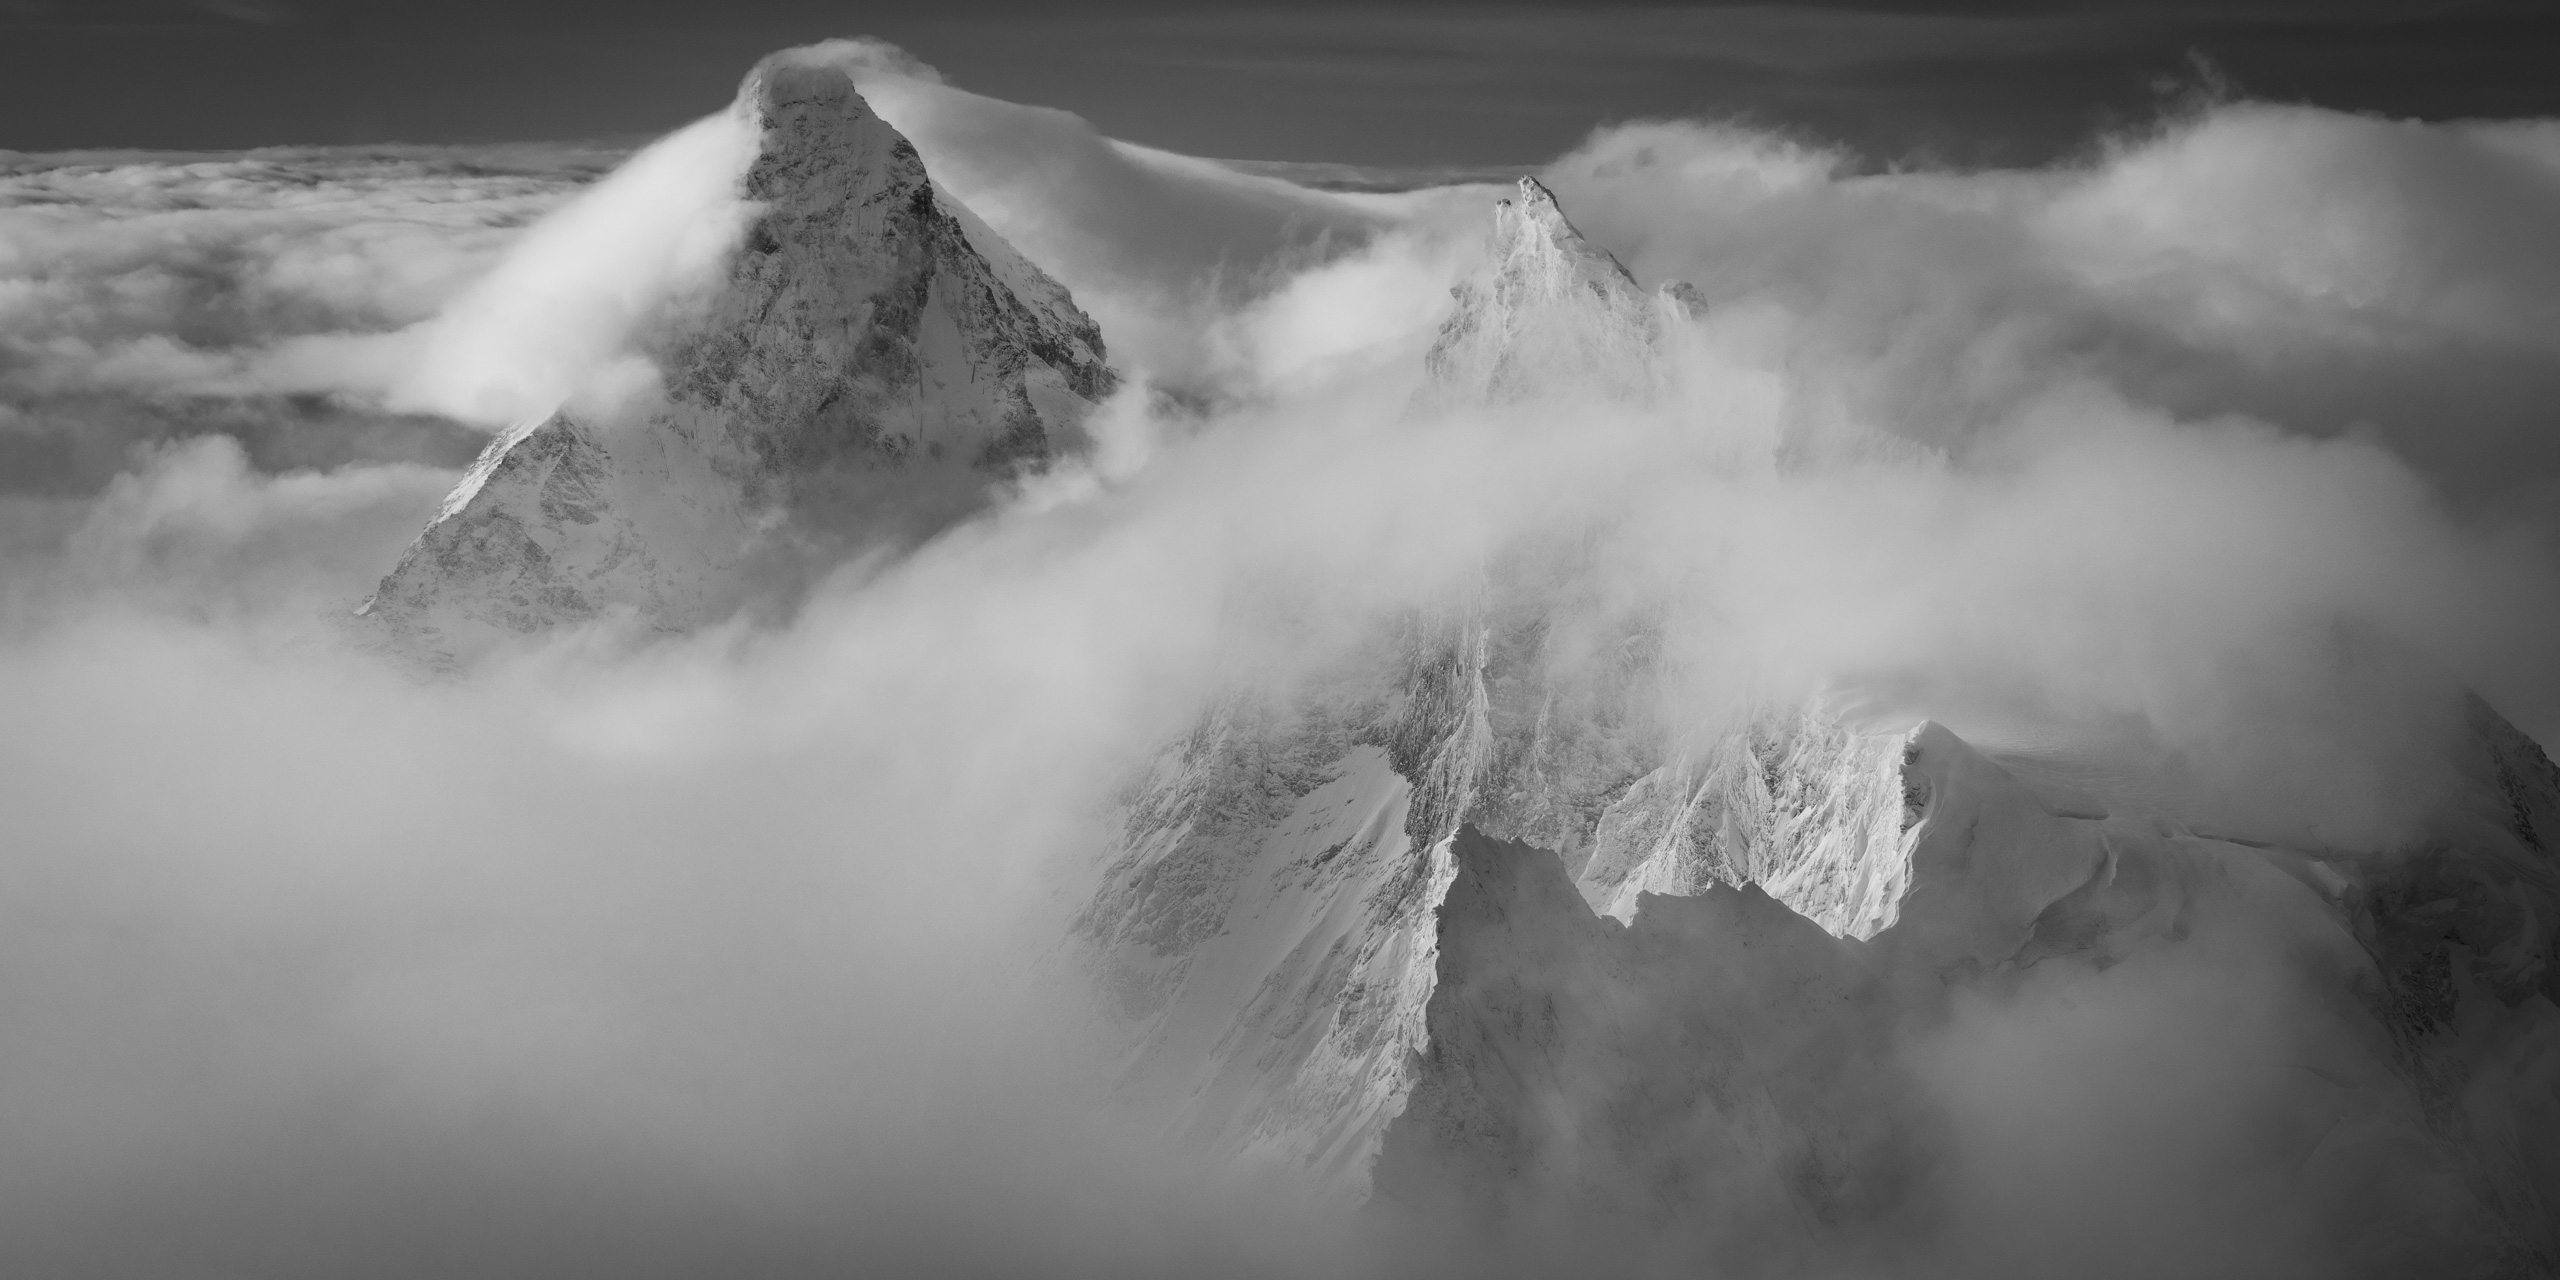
[
  {"x": 1549, "y": 305},
  {"x": 872, "y": 361}
]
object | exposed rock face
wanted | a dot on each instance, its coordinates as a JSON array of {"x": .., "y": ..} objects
[
  {"x": 874, "y": 359},
  {"x": 1793, "y": 801}
]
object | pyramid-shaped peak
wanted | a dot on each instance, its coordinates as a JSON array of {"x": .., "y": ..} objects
[
  {"x": 1535, "y": 225},
  {"x": 1546, "y": 304},
  {"x": 871, "y": 360}
]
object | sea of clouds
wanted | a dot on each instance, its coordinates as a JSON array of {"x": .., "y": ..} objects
[{"x": 740, "y": 952}]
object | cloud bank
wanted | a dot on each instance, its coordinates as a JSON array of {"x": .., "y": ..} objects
[{"x": 147, "y": 297}]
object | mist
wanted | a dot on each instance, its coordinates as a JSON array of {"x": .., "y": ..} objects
[{"x": 2224, "y": 448}]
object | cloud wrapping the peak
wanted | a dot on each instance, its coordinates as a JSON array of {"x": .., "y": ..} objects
[
  {"x": 863, "y": 58},
  {"x": 564, "y": 309}
]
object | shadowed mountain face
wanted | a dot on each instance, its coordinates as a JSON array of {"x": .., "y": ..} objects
[
  {"x": 1585, "y": 1085},
  {"x": 873, "y": 361},
  {"x": 1589, "y": 1081}
]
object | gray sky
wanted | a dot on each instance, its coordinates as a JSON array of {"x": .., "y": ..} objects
[{"x": 1982, "y": 82}]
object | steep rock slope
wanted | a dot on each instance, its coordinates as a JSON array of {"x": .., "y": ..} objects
[{"x": 873, "y": 359}]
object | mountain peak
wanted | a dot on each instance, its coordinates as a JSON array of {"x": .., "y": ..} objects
[
  {"x": 1547, "y": 304},
  {"x": 1536, "y": 201},
  {"x": 874, "y": 360},
  {"x": 1543, "y": 250},
  {"x": 811, "y": 121},
  {"x": 785, "y": 78}
]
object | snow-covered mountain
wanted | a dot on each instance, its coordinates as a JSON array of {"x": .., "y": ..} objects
[
  {"x": 874, "y": 359},
  {"x": 1267, "y": 931},
  {"x": 1550, "y": 304},
  {"x": 1461, "y": 928}
]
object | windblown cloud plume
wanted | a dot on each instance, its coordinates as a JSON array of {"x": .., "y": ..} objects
[{"x": 2222, "y": 458}]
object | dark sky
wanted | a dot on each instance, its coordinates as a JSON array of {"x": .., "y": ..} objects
[{"x": 1414, "y": 83}]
